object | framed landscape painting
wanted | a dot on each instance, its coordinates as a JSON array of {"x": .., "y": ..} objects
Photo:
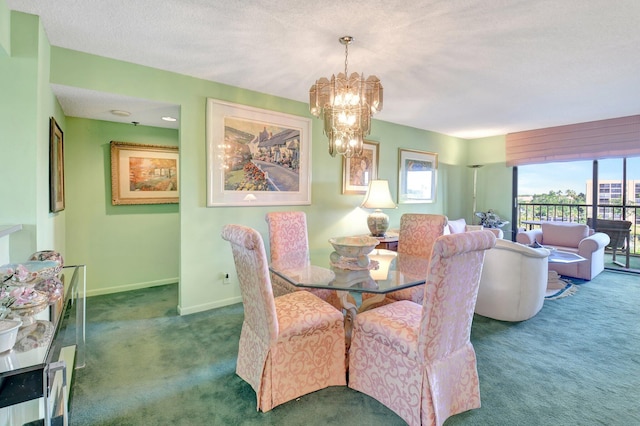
[
  {"x": 358, "y": 171},
  {"x": 144, "y": 174},
  {"x": 256, "y": 157},
  {"x": 417, "y": 181},
  {"x": 56, "y": 167}
]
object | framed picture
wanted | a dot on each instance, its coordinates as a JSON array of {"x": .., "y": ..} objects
[
  {"x": 417, "y": 181},
  {"x": 256, "y": 157},
  {"x": 357, "y": 172},
  {"x": 56, "y": 167},
  {"x": 144, "y": 174}
]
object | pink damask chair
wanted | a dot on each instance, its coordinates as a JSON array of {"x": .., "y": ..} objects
[
  {"x": 290, "y": 345},
  {"x": 418, "y": 233},
  {"x": 289, "y": 247},
  {"x": 418, "y": 360}
]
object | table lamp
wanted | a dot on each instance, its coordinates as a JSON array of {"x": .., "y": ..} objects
[{"x": 378, "y": 197}]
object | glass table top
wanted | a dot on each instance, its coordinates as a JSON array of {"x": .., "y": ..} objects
[{"x": 388, "y": 271}]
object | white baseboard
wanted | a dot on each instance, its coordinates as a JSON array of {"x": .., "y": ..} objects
[
  {"x": 207, "y": 306},
  {"x": 135, "y": 286}
]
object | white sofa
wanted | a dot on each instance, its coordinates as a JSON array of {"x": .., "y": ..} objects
[{"x": 513, "y": 282}]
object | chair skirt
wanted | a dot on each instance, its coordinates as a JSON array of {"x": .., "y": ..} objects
[
  {"x": 384, "y": 363},
  {"x": 307, "y": 355}
]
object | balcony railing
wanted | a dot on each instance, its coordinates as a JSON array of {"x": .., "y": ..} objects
[{"x": 530, "y": 213}]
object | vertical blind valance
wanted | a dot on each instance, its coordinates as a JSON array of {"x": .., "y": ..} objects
[{"x": 615, "y": 137}]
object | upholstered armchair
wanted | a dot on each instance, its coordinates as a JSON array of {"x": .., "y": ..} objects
[
  {"x": 289, "y": 246},
  {"x": 572, "y": 237},
  {"x": 513, "y": 282},
  {"x": 418, "y": 360},
  {"x": 290, "y": 345},
  {"x": 418, "y": 232}
]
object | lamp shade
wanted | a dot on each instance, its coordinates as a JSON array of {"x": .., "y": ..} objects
[{"x": 378, "y": 196}]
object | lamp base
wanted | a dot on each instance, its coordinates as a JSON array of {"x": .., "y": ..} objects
[{"x": 378, "y": 223}]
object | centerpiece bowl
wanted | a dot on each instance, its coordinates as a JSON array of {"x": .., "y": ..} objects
[{"x": 355, "y": 246}]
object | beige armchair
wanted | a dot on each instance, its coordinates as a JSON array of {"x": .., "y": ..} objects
[{"x": 572, "y": 237}]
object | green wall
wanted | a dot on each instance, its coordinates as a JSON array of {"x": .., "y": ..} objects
[
  {"x": 124, "y": 247},
  {"x": 27, "y": 103},
  {"x": 495, "y": 180},
  {"x": 5, "y": 29},
  {"x": 187, "y": 243}
]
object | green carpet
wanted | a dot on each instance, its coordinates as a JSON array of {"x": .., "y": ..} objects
[{"x": 576, "y": 363}]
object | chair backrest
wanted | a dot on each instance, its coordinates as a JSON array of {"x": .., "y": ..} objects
[
  {"x": 418, "y": 232},
  {"x": 617, "y": 230},
  {"x": 288, "y": 240},
  {"x": 252, "y": 268},
  {"x": 451, "y": 291}
]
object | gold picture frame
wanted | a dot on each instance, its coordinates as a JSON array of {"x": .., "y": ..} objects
[
  {"x": 144, "y": 174},
  {"x": 56, "y": 167},
  {"x": 358, "y": 171},
  {"x": 418, "y": 173}
]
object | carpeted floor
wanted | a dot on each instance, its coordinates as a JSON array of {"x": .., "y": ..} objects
[{"x": 576, "y": 363}]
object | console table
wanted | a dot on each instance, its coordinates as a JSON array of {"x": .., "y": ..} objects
[{"x": 36, "y": 375}]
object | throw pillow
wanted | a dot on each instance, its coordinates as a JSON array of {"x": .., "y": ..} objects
[{"x": 457, "y": 226}]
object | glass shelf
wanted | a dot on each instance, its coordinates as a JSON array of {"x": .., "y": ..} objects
[{"x": 37, "y": 373}]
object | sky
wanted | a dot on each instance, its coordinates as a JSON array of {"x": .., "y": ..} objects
[{"x": 540, "y": 179}]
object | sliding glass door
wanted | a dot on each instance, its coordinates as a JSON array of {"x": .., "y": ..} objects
[{"x": 573, "y": 191}]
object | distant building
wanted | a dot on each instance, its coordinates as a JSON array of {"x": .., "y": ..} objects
[{"x": 610, "y": 194}]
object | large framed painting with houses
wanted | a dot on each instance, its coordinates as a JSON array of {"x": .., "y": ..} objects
[{"x": 256, "y": 157}]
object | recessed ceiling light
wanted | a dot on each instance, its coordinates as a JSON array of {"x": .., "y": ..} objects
[
  {"x": 167, "y": 118},
  {"x": 120, "y": 113}
]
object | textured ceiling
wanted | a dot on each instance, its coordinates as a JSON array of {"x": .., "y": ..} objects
[{"x": 460, "y": 67}]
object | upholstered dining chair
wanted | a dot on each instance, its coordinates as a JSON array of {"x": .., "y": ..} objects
[
  {"x": 289, "y": 245},
  {"x": 418, "y": 232},
  {"x": 418, "y": 360},
  {"x": 289, "y": 345}
]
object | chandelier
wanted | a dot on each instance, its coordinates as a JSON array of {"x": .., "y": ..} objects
[{"x": 346, "y": 103}]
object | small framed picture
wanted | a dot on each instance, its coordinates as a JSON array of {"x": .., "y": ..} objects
[
  {"x": 417, "y": 181},
  {"x": 358, "y": 171},
  {"x": 56, "y": 167},
  {"x": 144, "y": 174}
]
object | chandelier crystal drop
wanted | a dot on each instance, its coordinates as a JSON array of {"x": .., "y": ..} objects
[{"x": 346, "y": 104}]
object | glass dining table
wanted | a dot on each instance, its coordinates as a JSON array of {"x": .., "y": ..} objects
[{"x": 387, "y": 271}]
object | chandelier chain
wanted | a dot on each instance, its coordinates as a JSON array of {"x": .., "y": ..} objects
[{"x": 346, "y": 59}]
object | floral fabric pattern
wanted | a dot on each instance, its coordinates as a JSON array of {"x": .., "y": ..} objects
[
  {"x": 418, "y": 360},
  {"x": 418, "y": 233},
  {"x": 289, "y": 248},
  {"x": 290, "y": 345}
]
